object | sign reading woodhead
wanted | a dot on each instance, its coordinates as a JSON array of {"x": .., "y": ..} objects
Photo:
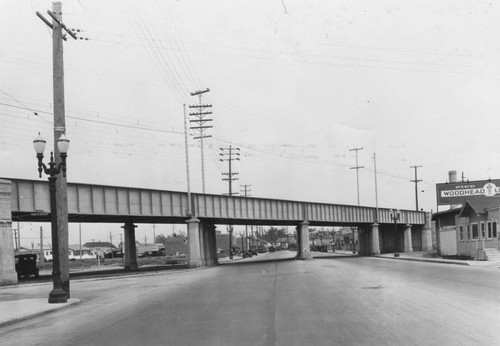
[{"x": 457, "y": 193}]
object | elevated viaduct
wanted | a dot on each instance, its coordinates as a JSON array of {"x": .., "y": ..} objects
[{"x": 29, "y": 200}]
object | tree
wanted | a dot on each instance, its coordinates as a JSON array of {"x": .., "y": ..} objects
[
  {"x": 273, "y": 234},
  {"x": 160, "y": 238}
]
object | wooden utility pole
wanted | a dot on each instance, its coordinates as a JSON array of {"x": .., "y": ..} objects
[
  {"x": 232, "y": 155},
  {"x": 200, "y": 126},
  {"x": 416, "y": 181},
  {"x": 42, "y": 254},
  {"x": 357, "y": 168},
  {"x": 188, "y": 211},
  {"x": 19, "y": 235},
  {"x": 246, "y": 190},
  {"x": 57, "y": 27},
  {"x": 376, "y": 187}
]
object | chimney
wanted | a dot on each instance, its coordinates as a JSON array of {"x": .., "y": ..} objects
[{"x": 452, "y": 176}]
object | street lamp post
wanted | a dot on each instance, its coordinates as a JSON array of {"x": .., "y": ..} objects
[
  {"x": 57, "y": 295},
  {"x": 395, "y": 214}
]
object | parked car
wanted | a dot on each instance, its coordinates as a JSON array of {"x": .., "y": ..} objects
[
  {"x": 272, "y": 249},
  {"x": 247, "y": 254},
  {"x": 26, "y": 265},
  {"x": 253, "y": 252}
]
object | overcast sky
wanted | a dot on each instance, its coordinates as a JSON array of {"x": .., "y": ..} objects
[{"x": 293, "y": 84}]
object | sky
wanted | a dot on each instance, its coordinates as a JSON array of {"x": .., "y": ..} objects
[{"x": 295, "y": 85}]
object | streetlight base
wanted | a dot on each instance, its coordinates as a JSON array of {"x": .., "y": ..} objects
[{"x": 57, "y": 295}]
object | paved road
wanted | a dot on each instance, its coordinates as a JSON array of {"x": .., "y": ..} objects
[{"x": 340, "y": 301}]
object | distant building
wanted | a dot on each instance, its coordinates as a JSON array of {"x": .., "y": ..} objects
[
  {"x": 101, "y": 248},
  {"x": 82, "y": 252},
  {"x": 150, "y": 250},
  {"x": 345, "y": 237}
]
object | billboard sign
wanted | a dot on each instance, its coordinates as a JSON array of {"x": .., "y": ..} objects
[{"x": 457, "y": 193}]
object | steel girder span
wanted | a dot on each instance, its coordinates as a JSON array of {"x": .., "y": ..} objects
[{"x": 99, "y": 203}]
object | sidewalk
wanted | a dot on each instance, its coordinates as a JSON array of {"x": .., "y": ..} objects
[
  {"x": 421, "y": 257},
  {"x": 414, "y": 256},
  {"x": 13, "y": 311},
  {"x": 22, "y": 301}
]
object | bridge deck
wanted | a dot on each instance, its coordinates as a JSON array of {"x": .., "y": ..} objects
[{"x": 98, "y": 203}]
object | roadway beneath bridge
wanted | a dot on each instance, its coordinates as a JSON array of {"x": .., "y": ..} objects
[{"x": 343, "y": 301}]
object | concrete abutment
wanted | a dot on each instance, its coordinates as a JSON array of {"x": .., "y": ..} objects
[{"x": 8, "y": 275}]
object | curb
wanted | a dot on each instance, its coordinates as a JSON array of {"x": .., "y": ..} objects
[
  {"x": 424, "y": 260},
  {"x": 56, "y": 307}
]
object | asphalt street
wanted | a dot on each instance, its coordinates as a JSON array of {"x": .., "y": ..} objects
[{"x": 331, "y": 301}]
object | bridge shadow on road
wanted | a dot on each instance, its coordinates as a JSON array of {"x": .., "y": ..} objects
[{"x": 319, "y": 256}]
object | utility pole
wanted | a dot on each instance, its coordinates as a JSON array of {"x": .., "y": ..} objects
[
  {"x": 15, "y": 237},
  {"x": 19, "y": 235},
  {"x": 246, "y": 190},
  {"x": 80, "y": 238},
  {"x": 230, "y": 153},
  {"x": 41, "y": 245},
  {"x": 416, "y": 180},
  {"x": 110, "y": 238},
  {"x": 357, "y": 168},
  {"x": 200, "y": 122},
  {"x": 376, "y": 187},
  {"x": 188, "y": 211},
  {"x": 60, "y": 245},
  {"x": 122, "y": 247}
]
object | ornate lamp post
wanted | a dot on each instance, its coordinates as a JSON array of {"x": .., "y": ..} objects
[
  {"x": 395, "y": 214},
  {"x": 57, "y": 295}
]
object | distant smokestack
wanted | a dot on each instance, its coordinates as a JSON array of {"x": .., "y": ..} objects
[{"x": 452, "y": 176}]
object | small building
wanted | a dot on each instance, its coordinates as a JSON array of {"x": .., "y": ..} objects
[
  {"x": 100, "y": 248},
  {"x": 81, "y": 252},
  {"x": 469, "y": 231},
  {"x": 150, "y": 250},
  {"x": 469, "y": 228},
  {"x": 345, "y": 237}
]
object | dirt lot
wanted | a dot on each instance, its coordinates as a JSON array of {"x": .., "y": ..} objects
[{"x": 110, "y": 263}]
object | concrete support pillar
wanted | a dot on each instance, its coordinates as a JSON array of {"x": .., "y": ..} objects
[
  {"x": 208, "y": 244},
  {"x": 193, "y": 226},
  {"x": 427, "y": 233},
  {"x": 207, "y": 258},
  {"x": 130, "y": 249},
  {"x": 303, "y": 250},
  {"x": 213, "y": 245},
  {"x": 363, "y": 248},
  {"x": 375, "y": 242},
  {"x": 8, "y": 275},
  {"x": 299, "y": 240},
  {"x": 408, "y": 244}
]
